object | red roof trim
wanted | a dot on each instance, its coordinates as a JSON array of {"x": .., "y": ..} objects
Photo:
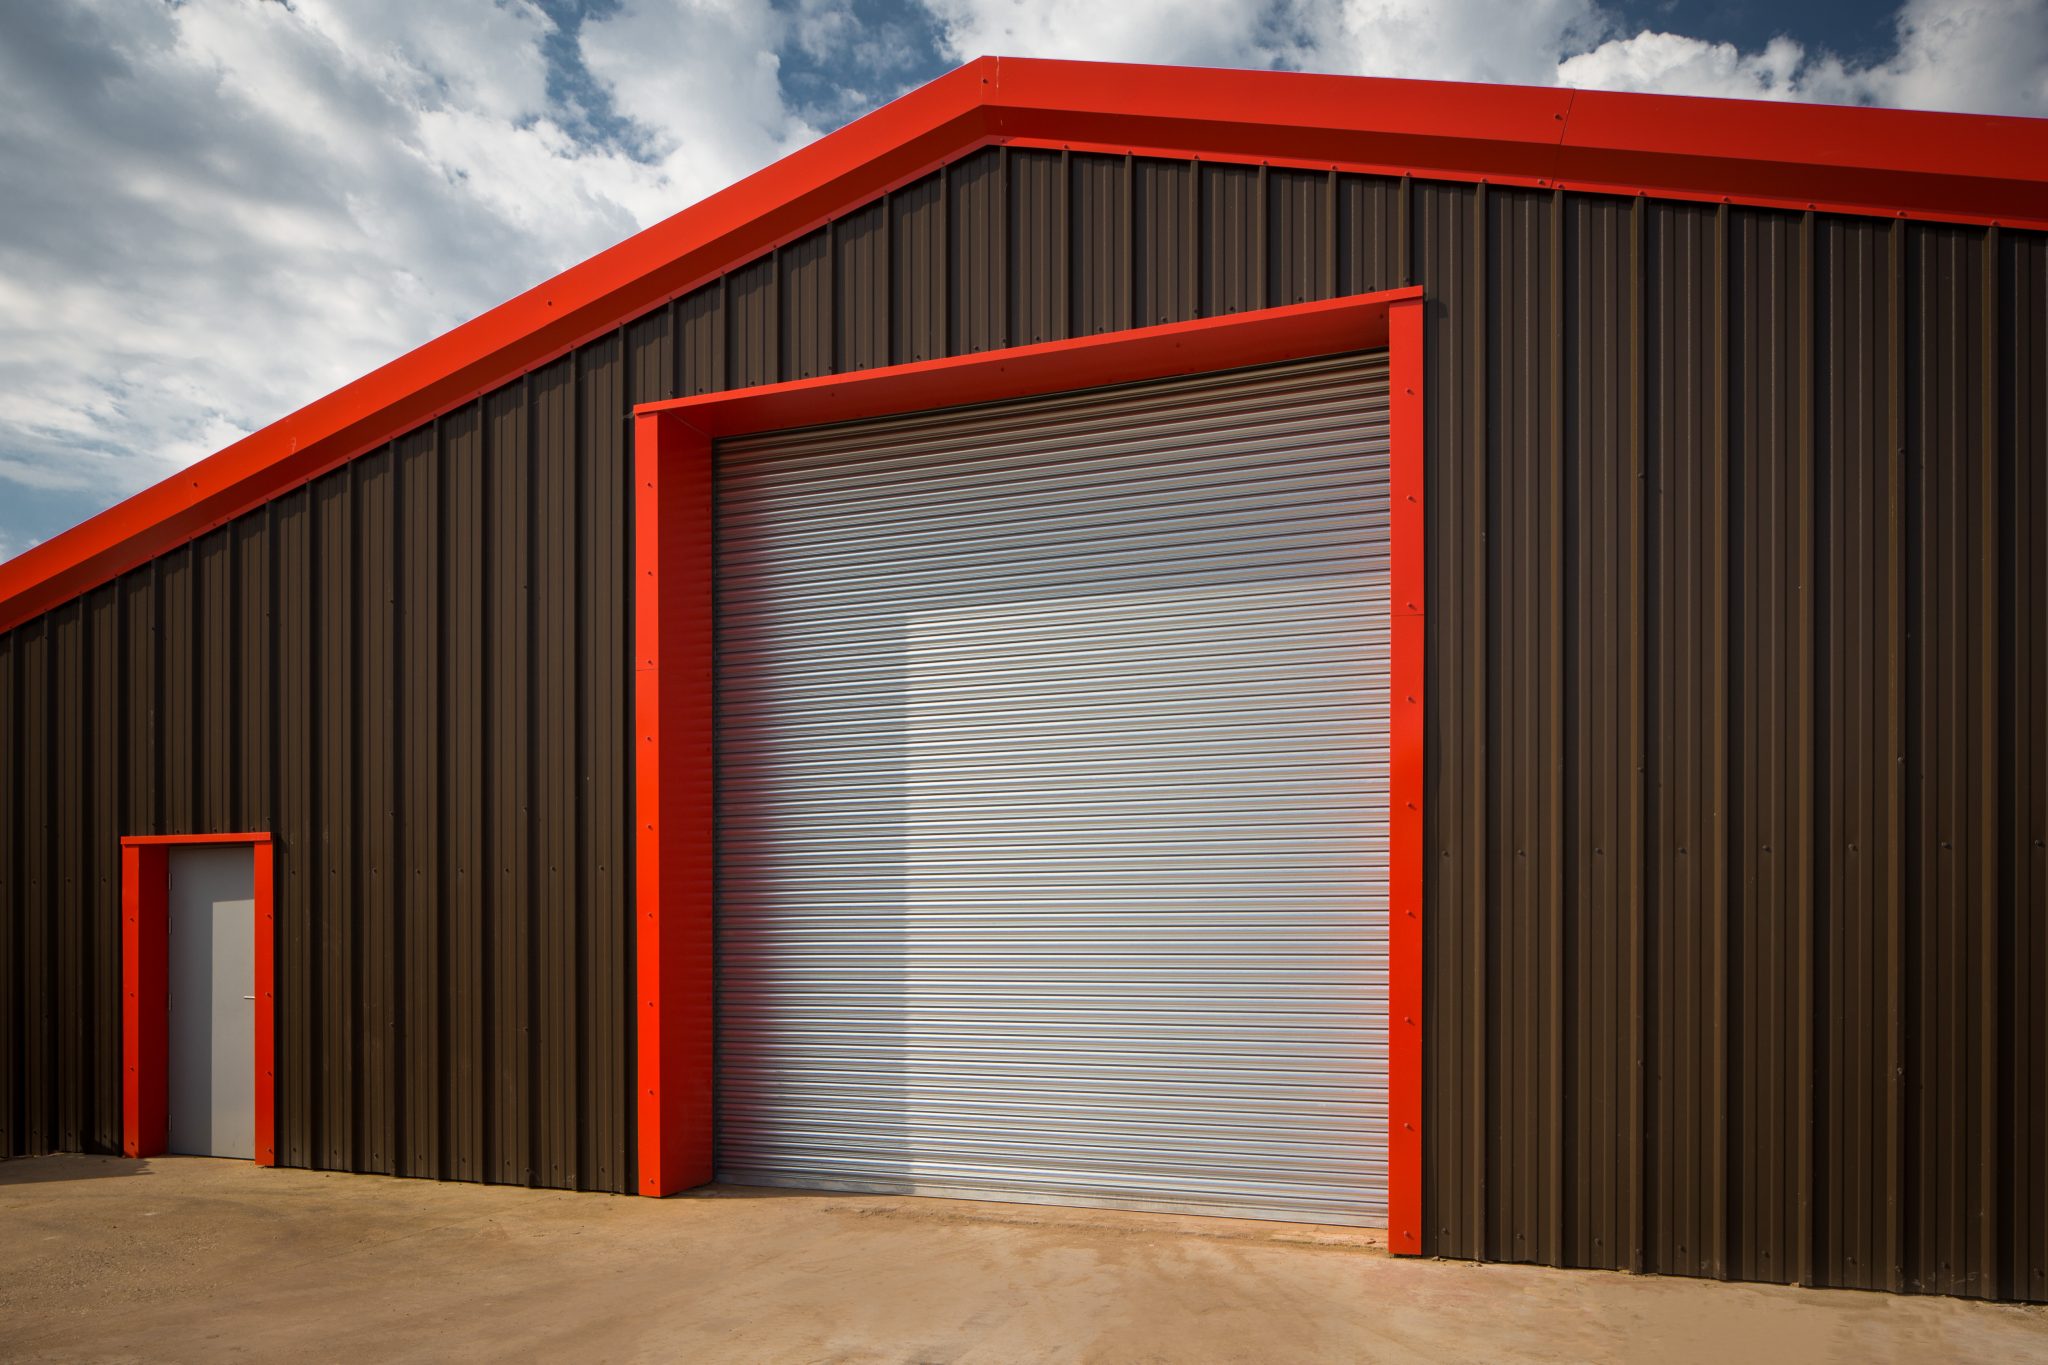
[{"x": 1948, "y": 167}]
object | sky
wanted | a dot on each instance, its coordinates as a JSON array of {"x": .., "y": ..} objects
[{"x": 215, "y": 211}]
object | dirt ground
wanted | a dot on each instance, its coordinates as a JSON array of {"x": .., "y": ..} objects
[{"x": 189, "y": 1259}]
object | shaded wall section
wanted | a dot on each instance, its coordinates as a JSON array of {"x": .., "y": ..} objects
[{"x": 1738, "y": 827}]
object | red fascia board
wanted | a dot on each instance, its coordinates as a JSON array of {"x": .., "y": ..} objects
[
  {"x": 1296, "y": 332},
  {"x": 1425, "y": 127},
  {"x": 1947, "y": 167},
  {"x": 155, "y": 840},
  {"x": 1971, "y": 168}
]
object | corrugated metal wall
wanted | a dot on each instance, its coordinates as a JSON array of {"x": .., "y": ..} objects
[
  {"x": 1738, "y": 879},
  {"x": 413, "y": 672}
]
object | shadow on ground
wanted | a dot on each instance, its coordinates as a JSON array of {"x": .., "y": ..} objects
[{"x": 51, "y": 1170}]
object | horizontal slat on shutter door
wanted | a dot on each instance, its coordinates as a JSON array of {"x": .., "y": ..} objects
[{"x": 1052, "y": 799}]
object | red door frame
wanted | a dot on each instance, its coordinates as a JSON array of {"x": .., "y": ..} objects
[
  {"x": 673, "y": 670},
  {"x": 145, "y": 990}
]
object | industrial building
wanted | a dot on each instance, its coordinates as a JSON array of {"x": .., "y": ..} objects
[{"x": 1465, "y": 659}]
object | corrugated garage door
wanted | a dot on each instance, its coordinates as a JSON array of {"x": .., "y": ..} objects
[{"x": 1051, "y": 802}]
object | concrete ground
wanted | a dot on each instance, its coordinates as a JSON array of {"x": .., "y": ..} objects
[{"x": 189, "y": 1259}]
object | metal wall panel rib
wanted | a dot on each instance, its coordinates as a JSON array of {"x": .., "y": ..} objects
[
  {"x": 334, "y": 761},
  {"x": 378, "y": 894},
  {"x": 1524, "y": 531},
  {"x": 979, "y": 278},
  {"x": 38, "y": 1066},
  {"x": 602, "y": 776},
  {"x": 1371, "y": 229},
  {"x": 701, "y": 340},
  {"x": 1037, "y": 227},
  {"x": 1301, "y": 236},
  {"x": 1233, "y": 219},
  {"x": 465, "y": 794},
  {"x": 860, "y": 307},
  {"x": 1737, "y": 860},
  {"x": 650, "y": 357},
  {"x": 1771, "y": 772},
  {"x": 100, "y": 905},
  {"x": 1687, "y": 855},
  {"x": 1099, "y": 251},
  {"x": 2022, "y": 386},
  {"x": 1449, "y": 264},
  {"x": 418, "y": 745},
  {"x": 1602, "y": 702},
  {"x": 69, "y": 1000},
  {"x": 1858, "y": 789},
  {"x": 753, "y": 347},
  {"x": 1163, "y": 225},
  {"x": 805, "y": 295},
  {"x": 1952, "y": 743},
  {"x": 507, "y": 692},
  {"x": 289, "y": 526},
  {"x": 176, "y": 713},
  {"x": 555, "y": 701},
  {"x": 917, "y": 279}
]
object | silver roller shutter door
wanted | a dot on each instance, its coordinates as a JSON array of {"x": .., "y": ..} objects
[{"x": 1052, "y": 799}]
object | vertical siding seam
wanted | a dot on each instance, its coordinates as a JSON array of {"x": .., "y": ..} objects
[
  {"x": 578, "y": 458},
  {"x": 778, "y": 286},
  {"x": 1262, "y": 262},
  {"x": 1004, "y": 268},
  {"x": 1994, "y": 758},
  {"x": 398, "y": 850},
  {"x": 1897, "y": 992},
  {"x": 1553, "y": 702},
  {"x": 887, "y": 293},
  {"x": 1806, "y": 804},
  {"x": 944, "y": 265},
  {"x": 1330, "y": 229},
  {"x": 675, "y": 357},
  {"x": 722, "y": 358},
  {"x": 1639, "y": 593},
  {"x": 1726, "y": 646},
  {"x": 444, "y": 897},
  {"x": 830, "y": 321},
  {"x": 1063, "y": 294},
  {"x": 1405, "y": 232},
  {"x": 1479, "y": 901},
  {"x": 484, "y": 888},
  {"x": 1127, "y": 317}
]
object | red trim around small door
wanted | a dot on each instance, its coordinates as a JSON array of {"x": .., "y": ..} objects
[
  {"x": 673, "y": 669},
  {"x": 145, "y": 925}
]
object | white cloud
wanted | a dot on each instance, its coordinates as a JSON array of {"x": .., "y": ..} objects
[
  {"x": 1215, "y": 33},
  {"x": 1459, "y": 40},
  {"x": 1979, "y": 56},
  {"x": 1985, "y": 56},
  {"x": 699, "y": 78},
  {"x": 218, "y": 211}
]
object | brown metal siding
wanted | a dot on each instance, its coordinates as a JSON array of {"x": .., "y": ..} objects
[
  {"x": 1738, "y": 820},
  {"x": 975, "y": 217},
  {"x": 1164, "y": 257},
  {"x": 860, "y": 289},
  {"x": 370, "y": 669}
]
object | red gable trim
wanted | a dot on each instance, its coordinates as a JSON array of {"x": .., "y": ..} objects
[{"x": 1947, "y": 167}]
